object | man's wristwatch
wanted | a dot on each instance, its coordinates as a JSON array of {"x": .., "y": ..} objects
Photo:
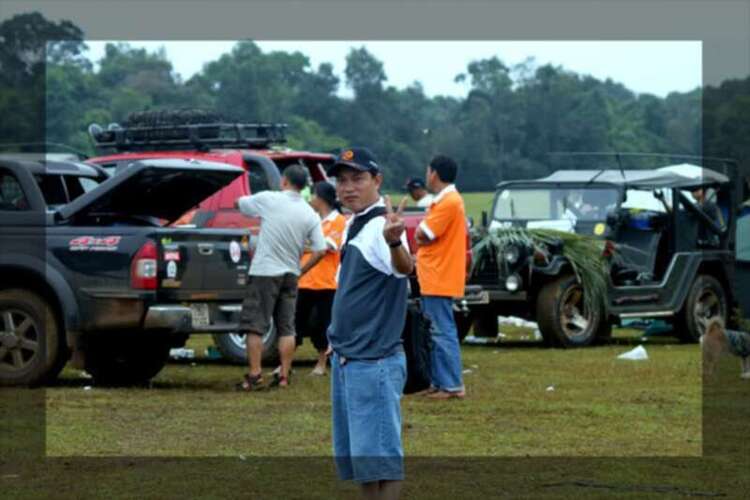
[{"x": 395, "y": 244}]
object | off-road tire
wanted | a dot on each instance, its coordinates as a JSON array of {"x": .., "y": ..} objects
[
  {"x": 549, "y": 312},
  {"x": 37, "y": 339},
  {"x": 687, "y": 325},
  {"x": 232, "y": 347}
]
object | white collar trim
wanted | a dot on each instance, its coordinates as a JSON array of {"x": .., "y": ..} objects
[
  {"x": 332, "y": 215},
  {"x": 450, "y": 188}
]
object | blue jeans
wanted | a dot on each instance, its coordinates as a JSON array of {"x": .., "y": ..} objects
[
  {"x": 366, "y": 401},
  {"x": 446, "y": 352}
]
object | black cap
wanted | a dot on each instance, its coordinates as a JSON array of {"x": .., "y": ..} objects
[
  {"x": 360, "y": 159},
  {"x": 414, "y": 183}
]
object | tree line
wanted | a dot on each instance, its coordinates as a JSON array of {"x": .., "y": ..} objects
[{"x": 510, "y": 120}]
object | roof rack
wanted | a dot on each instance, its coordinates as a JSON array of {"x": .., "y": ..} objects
[{"x": 199, "y": 136}]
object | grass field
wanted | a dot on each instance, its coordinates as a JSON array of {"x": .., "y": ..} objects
[
  {"x": 473, "y": 202},
  {"x": 609, "y": 429},
  {"x": 523, "y": 401}
]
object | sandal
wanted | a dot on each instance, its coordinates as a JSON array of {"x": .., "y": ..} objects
[
  {"x": 251, "y": 383},
  {"x": 279, "y": 381}
]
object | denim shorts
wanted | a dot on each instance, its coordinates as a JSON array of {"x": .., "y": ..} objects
[{"x": 366, "y": 400}]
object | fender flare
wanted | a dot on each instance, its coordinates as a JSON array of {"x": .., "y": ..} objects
[{"x": 53, "y": 279}]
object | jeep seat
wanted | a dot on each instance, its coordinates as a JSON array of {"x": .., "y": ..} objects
[{"x": 638, "y": 250}]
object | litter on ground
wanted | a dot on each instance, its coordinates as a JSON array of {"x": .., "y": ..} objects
[{"x": 637, "y": 354}]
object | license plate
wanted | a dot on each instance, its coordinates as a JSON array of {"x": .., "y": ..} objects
[
  {"x": 200, "y": 315},
  {"x": 482, "y": 297}
]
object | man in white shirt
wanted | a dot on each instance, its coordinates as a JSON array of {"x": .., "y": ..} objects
[
  {"x": 287, "y": 223},
  {"x": 418, "y": 192}
]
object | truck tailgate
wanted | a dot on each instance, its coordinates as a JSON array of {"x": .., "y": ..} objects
[{"x": 202, "y": 265}]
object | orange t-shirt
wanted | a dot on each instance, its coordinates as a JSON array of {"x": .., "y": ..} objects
[
  {"x": 323, "y": 275},
  {"x": 441, "y": 265}
]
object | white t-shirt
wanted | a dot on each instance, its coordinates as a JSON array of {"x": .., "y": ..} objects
[
  {"x": 287, "y": 222},
  {"x": 425, "y": 201}
]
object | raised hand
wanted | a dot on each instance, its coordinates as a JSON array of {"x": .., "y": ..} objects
[{"x": 394, "y": 221}]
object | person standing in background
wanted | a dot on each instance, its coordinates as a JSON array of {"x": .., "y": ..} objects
[
  {"x": 441, "y": 272},
  {"x": 418, "y": 192},
  {"x": 287, "y": 223},
  {"x": 318, "y": 286}
]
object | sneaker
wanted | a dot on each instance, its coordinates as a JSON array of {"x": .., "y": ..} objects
[
  {"x": 251, "y": 383},
  {"x": 438, "y": 395},
  {"x": 319, "y": 371}
]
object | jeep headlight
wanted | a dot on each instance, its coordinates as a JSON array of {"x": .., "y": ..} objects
[
  {"x": 513, "y": 283},
  {"x": 511, "y": 254}
]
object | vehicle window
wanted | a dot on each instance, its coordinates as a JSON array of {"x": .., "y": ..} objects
[
  {"x": 555, "y": 203},
  {"x": 79, "y": 185},
  {"x": 52, "y": 189},
  {"x": 258, "y": 179},
  {"x": 11, "y": 194}
]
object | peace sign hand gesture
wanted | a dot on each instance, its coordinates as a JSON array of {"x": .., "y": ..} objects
[{"x": 394, "y": 221}]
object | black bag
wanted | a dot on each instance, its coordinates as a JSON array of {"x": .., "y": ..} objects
[{"x": 417, "y": 340}]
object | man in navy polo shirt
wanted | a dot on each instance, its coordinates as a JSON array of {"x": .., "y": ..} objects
[{"x": 368, "y": 316}]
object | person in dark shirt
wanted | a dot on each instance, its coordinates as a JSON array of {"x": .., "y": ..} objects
[
  {"x": 368, "y": 365},
  {"x": 711, "y": 209}
]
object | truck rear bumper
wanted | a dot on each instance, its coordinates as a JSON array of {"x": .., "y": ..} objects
[{"x": 224, "y": 318}]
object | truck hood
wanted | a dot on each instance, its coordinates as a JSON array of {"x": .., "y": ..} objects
[{"x": 164, "y": 189}]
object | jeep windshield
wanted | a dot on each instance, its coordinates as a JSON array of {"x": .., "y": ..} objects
[{"x": 554, "y": 203}]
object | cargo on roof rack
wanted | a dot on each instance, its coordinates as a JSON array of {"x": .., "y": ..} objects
[{"x": 199, "y": 136}]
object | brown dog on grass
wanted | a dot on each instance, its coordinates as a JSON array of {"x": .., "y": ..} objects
[{"x": 718, "y": 341}]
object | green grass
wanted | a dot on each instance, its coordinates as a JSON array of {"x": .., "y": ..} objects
[
  {"x": 192, "y": 410},
  {"x": 535, "y": 443},
  {"x": 474, "y": 203}
]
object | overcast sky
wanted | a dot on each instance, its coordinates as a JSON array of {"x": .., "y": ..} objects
[{"x": 656, "y": 67}]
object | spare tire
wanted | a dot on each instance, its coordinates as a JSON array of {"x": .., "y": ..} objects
[{"x": 232, "y": 347}]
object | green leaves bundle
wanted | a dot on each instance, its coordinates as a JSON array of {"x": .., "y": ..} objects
[{"x": 584, "y": 254}]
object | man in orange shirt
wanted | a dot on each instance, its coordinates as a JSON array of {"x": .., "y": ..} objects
[
  {"x": 318, "y": 286},
  {"x": 441, "y": 271}
]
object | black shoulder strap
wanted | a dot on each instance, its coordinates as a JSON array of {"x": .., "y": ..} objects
[{"x": 358, "y": 223}]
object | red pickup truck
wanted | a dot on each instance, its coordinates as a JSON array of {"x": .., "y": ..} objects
[{"x": 254, "y": 147}]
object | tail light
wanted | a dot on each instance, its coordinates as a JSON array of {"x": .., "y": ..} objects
[
  {"x": 609, "y": 249},
  {"x": 144, "y": 267}
]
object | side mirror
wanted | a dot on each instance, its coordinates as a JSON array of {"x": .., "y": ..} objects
[{"x": 485, "y": 219}]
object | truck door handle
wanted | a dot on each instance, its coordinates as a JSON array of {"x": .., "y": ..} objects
[{"x": 205, "y": 248}]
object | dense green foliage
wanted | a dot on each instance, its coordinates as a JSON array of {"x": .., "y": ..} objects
[
  {"x": 504, "y": 128},
  {"x": 582, "y": 252}
]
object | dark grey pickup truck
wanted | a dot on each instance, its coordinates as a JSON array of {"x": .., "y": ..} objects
[{"x": 90, "y": 267}]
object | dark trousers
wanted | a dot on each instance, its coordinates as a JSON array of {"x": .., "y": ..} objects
[{"x": 313, "y": 316}]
